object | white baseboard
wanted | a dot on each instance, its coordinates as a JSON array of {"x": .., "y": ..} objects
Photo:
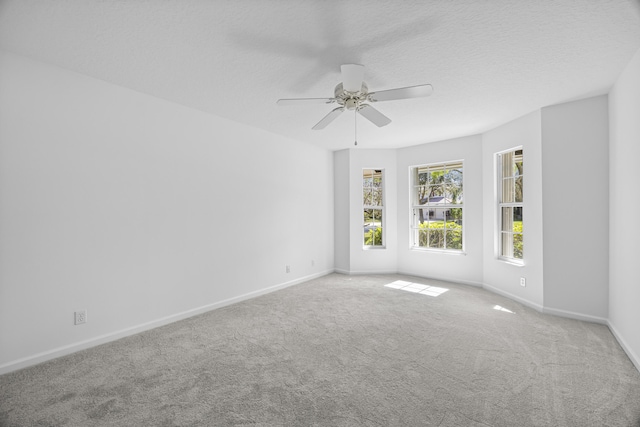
[
  {"x": 522, "y": 301},
  {"x": 375, "y": 272},
  {"x": 82, "y": 345},
  {"x": 421, "y": 276},
  {"x": 573, "y": 315},
  {"x": 364, "y": 273},
  {"x": 443, "y": 279},
  {"x": 102, "y": 339},
  {"x": 630, "y": 353}
]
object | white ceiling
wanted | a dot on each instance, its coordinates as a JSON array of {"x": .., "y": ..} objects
[{"x": 488, "y": 61}]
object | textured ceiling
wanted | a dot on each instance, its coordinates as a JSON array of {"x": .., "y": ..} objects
[{"x": 488, "y": 61}]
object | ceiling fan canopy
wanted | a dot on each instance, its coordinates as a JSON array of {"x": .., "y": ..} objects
[{"x": 353, "y": 94}]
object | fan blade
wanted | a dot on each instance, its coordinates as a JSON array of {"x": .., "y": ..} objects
[
  {"x": 302, "y": 101},
  {"x": 333, "y": 114},
  {"x": 401, "y": 93},
  {"x": 352, "y": 76},
  {"x": 373, "y": 115}
]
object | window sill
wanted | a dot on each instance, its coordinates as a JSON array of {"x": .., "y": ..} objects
[
  {"x": 373, "y": 248},
  {"x": 513, "y": 262},
  {"x": 437, "y": 251}
]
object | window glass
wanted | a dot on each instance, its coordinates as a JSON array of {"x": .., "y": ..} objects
[
  {"x": 373, "y": 207},
  {"x": 510, "y": 175},
  {"x": 437, "y": 206}
]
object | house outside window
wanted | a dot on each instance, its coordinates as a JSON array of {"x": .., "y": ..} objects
[
  {"x": 437, "y": 206},
  {"x": 373, "y": 208},
  {"x": 510, "y": 179}
]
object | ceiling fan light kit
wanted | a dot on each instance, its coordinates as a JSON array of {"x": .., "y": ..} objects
[{"x": 353, "y": 94}]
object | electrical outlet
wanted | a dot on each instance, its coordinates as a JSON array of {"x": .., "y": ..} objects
[
  {"x": 80, "y": 317},
  {"x": 313, "y": 262},
  {"x": 288, "y": 269},
  {"x": 523, "y": 281}
]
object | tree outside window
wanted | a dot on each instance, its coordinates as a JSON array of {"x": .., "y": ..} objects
[{"x": 437, "y": 206}]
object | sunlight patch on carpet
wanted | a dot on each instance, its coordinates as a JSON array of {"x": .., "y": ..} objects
[
  {"x": 500, "y": 308},
  {"x": 432, "y": 291}
]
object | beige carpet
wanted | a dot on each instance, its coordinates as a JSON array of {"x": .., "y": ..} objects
[{"x": 342, "y": 351}]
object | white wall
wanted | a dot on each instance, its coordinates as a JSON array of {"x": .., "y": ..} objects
[
  {"x": 140, "y": 211},
  {"x": 342, "y": 220},
  {"x": 500, "y": 276},
  {"x": 575, "y": 188},
  {"x": 351, "y": 257},
  {"x": 463, "y": 268},
  {"x": 624, "y": 205}
]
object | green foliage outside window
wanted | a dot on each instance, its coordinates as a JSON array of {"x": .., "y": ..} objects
[
  {"x": 517, "y": 239},
  {"x": 373, "y": 237},
  {"x": 436, "y": 234}
]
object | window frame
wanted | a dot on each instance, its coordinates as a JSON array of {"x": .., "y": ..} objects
[
  {"x": 414, "y": 230},
  {"x": 500, "y": 204},
  {"x": 380, "y": 207}
]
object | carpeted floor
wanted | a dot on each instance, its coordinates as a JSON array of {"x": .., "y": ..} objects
[{"x": 341, "y": 351}]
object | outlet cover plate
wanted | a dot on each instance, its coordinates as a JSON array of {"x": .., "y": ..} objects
[{"x": 80, "y": 317}]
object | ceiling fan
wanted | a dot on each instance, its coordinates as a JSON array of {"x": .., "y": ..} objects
[{"x": 353, "y": 94}]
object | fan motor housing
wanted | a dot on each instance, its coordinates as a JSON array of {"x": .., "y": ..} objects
[{"x": 351, "y": 100}]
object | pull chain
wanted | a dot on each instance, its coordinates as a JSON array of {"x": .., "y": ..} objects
[{"x": 355, "y": 126}]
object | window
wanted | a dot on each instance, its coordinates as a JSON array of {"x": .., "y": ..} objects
[
  {"x": 373, "y": 207},
  {"x": 437, "y": 206},
  {"x": 510, "y": 180}
]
